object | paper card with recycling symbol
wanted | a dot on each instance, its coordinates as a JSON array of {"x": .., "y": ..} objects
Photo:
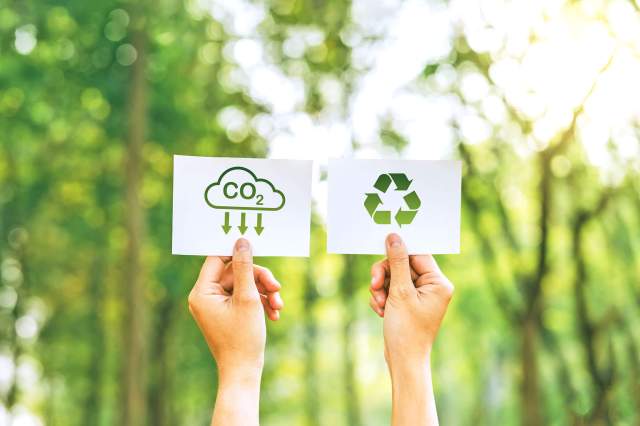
[
  {"x": 218, "y": 200},
  {"x": 419, "y": 200}
]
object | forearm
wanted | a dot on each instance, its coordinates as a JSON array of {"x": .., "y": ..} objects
[
  {"x": 238, "y": 399},
  {"x": 413, "y": 399}
]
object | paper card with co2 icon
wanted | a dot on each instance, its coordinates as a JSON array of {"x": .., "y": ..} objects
[
  {"x": 218, "y": 200},
  {"x": 419, "y": 200}
]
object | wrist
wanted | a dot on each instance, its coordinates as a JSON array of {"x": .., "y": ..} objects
[
  {"x": 410, "y": 368},
  {"x": 407, "y": 361},
  {"x": 240, "y": 376}
]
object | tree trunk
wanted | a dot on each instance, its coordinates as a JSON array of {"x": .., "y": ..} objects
[
  {"x": 348, "y": 348},
  {"x": 159, "y": 412},
  {"x": 133, "y": 393},
  {"x": 99, "y": 265},
  {"x": 634, "y": 357},
  {"x": 312, "y": 414},
  {"x": 531, "y": 318},
  {"x": 588, "y": 329},
  {"x": 93, "y": 403},
  {"x": 530, "y": 390}
]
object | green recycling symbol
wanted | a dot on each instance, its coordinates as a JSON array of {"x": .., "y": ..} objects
[{"x": 373, "y": 201}]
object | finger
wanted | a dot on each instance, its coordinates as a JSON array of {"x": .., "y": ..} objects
[
  {"x": 380, "y": 296},
  {"x": 380, "y": 274},
  {"x": 275, "y": 301},
  {"x": 272, "y": 314},
  {"x": 242, "y": 262},
  {"x": 274, "y": 297},
  {"x": 399, "y": 263},
  {"x": 423, "y": 264},
  {"x": 377, "y": 309},
  {"x": 437, "y": 282},
  {"x": 269, "y": 286},
  {"x": 431, "y": 278},
  {"x": 379, "y": 271},
  {"x": 227, "y": 277},
  {"x": 212, "y": 268},
  {"x": 414, "y": 275},
  {"x": 265, "y": 279}
]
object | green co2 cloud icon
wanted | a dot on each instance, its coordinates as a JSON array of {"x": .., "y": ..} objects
[
  {"x": 238, "y": 188},
  {"x": 373, "y": 201}
]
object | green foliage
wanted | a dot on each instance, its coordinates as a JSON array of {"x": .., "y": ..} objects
[{"x": 569, "y": 271}]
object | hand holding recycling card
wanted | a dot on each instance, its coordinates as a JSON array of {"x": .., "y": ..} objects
[
  {"x": 419, "y": 200},
  {"x": 218, "y": 200}
]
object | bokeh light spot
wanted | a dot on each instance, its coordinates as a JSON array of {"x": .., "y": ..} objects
[
  {"x": 126, "y": 54},
  {"x": 25, "y": 40}
]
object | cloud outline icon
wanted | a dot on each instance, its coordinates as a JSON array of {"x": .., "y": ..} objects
[{"x": 232, "y": 190}]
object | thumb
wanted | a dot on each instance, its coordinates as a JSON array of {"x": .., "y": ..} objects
[
  {"x": 242, "y": 263},
  {"x": 399, "y": 265}
]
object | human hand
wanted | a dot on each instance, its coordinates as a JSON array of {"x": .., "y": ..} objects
[
  {"x": 412, "y": 295},
  {"x": 228, "y": 302}
]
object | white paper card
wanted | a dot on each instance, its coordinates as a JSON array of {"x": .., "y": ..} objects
[
  {"x": 218, "y": 200},
  {"x": 419, "y": 200}
]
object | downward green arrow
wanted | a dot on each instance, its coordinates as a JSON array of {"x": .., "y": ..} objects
[
  {"x": 226, "y": 227},
  {"x": 372, "y": 202},
  {"x": 401, "y": 180},
  {"x": 405, "y": 217},
  {"x": 412, "y": 200},
  {"x": 382, "y": 217},
  {"x": 243, "y": 227},
  {"x": 259, "y": 228}
]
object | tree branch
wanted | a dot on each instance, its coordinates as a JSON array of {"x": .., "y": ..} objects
[
  {"x": 587, "y": 328},
  {"x": 544, "y": 158}
]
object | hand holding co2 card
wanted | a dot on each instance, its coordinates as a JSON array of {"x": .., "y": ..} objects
[
  {"x": 419, "y": 200},
  {"x": 218, "y": 200}
]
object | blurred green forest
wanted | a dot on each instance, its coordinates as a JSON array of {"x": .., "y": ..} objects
[{"x": 96, "y": 97}]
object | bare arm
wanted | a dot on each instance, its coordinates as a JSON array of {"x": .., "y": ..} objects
[
  {"x": 228, "y": 302},
  {"x": 413, "y": 402},
  {"x": 412, "y": 295},
  {"x": 238, "y": 398}
]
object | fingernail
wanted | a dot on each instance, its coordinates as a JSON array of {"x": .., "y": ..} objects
[
  {"x": 394, "y": 240},
  {"x": 242, "y": 245}
]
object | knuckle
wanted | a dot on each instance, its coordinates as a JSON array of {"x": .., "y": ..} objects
[
  {"x": 398, "y": 258},
  {"x": 401, "y": 291},
  {"x": 192, "y": 302},
  {"x": 398, "y": 262},
  {"x": 242, "y": 263},
  {"x": 248, "y": 298},
  {"x": 448, "y": 289},
  {"x": 432, "y": 276}
]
